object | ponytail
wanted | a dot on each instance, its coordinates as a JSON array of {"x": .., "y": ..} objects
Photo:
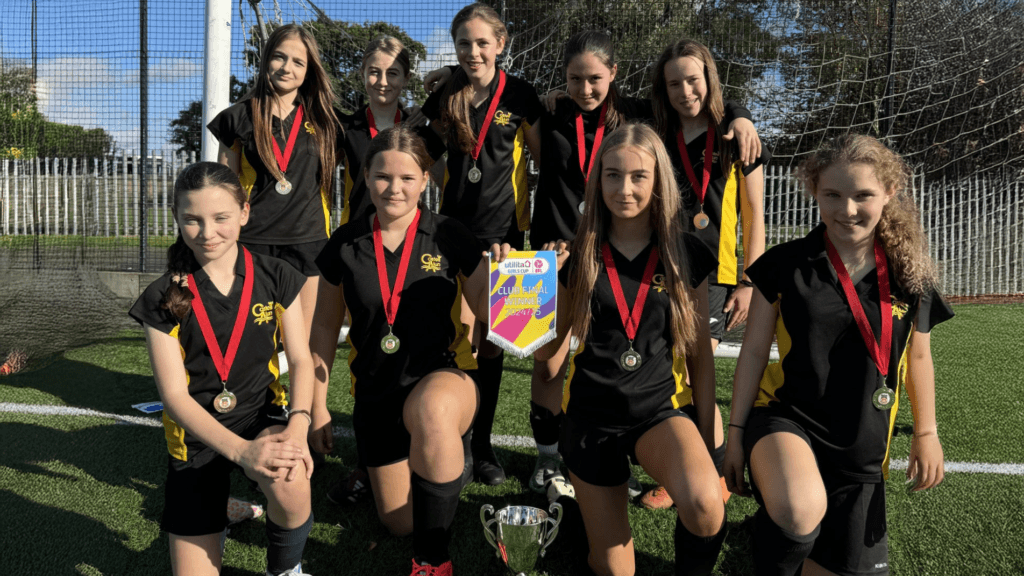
[{"x": 178, "y": 298}]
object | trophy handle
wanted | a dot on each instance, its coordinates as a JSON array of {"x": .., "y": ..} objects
[
  {"x": 492, "y": 539},
  {"x": 554, "y": 518}
]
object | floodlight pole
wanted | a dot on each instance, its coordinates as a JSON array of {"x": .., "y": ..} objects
[{"x": 216, "y": 70}]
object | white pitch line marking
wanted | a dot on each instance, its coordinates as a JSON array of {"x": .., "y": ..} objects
[{"x": 508, "y": 441}]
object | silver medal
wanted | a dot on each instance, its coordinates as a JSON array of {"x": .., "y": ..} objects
[
  {"x": 583, "y": 206},
  {"x": 225, "y": 401},
  {"x": 474, "y": 174},
  {"x": 630, "y": 360},
  {"x": 283, "y": 187}
]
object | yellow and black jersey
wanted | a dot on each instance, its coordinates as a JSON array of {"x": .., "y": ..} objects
[
  {"x": 355, "y": 140},
  {"x": 428, "y": 319},
  {"x": 280, "y": 219},
  {"x": 488, "y": 207},
  {"x": 724, "y": 200},
  {"x": 825, "y": 377},
  {"x": 599, "y": 391},
  {"x": 254, "y": 374}
]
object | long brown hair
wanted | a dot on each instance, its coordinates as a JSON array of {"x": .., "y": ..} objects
[
  {"x": 600, "y": 45},
  {"x": 180, "y": 260},
  {"x": 316, "y": 97},
  {"x": 666, "y": 118},
  {"x": 899, "y": 230},
  {"x": 456, "y": 96},
  {"x": 593, "y": 233}
]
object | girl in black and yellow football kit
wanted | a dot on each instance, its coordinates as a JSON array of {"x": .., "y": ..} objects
[
  {"x": 634, "y": 292},
  {"x": 281, "y": 141},
  {"x": 402, "y": 274},
  {"x": 386, "y": 69},
  {"x": 717, "y": 187},
  {"x": 219, "y": 302},
  {"x": 851, "y": 305},
  {"x": 488, "y": 118},
  {"x": 569, "y": 135}
]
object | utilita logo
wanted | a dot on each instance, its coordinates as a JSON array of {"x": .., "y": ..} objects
[{"x": 522, "y": 266}]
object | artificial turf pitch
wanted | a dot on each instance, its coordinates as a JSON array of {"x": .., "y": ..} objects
[{"x": 84, "y": 495}]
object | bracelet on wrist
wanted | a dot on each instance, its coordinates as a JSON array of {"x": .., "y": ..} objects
[
  {"x": 746, "y": 283},
  {"x": 303, "y": 412}
]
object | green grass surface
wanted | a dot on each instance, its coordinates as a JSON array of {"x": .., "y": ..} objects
[{"x": 82, "y": 495}]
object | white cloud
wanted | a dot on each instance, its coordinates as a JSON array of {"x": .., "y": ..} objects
[{"x": 440, "y": 51}]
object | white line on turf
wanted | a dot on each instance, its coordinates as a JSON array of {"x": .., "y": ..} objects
[{"x": 1009, "y": 469}]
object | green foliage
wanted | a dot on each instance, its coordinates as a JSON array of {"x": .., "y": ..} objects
[{"x": 187, "y": 128}]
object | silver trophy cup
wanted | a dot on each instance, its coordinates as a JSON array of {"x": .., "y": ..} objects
[{"x": 523, "y": 533}]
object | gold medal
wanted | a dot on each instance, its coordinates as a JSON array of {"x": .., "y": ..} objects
[
  {"x": 283, "y": 188},
  {"x": 701, "y": 220},
  {"x": 225, "y": 401},
  {"x": 475, "y": 174}
]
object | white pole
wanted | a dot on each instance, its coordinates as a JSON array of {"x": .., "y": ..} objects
[
  {"x": 217, "y": 69},
  {"x": 7, "y": 199}
]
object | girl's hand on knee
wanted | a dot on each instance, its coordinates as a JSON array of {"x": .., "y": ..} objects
[
  {"x": 733, "y": 467},
  {"x": 270, "y": 456},
  {"x": 926, "y": 462}
]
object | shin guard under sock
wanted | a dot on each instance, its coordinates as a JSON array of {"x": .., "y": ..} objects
[
  {"x": 433, "y": 510},
  {"x": 546, "y": 425},
  {"x": 488, "y": 381},
  {"x": 696, "y": 555},
  {"x": 779, "y": 552},
  {"x": 284, "y": 546}
]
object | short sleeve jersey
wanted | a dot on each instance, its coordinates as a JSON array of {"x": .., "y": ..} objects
[
  {"x": 355, "y": 142},
  {"x": 599, "y": 391},
  {"x": 427, "y": 322},
  {"x": 254, "y": 374},
  {"x": 722, "y": 202},
  {"x": 488, "y": 207},
  {"x": 279, "y": 219},
  {"x": 825, "y": 377}
]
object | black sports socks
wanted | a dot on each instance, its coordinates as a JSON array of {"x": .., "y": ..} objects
[
  {"x": 433, "y": 510},
  {"x": 696, "y": 555},
  {"x": 779, "y": 552},
  {"x": 545, "y": 425},
  {"x": 284, "y": 546}
]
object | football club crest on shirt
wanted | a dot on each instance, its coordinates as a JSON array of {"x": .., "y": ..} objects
[
  {"x": 523, "y": 290},
  {"x": 263, "y": 312},
  {"x": 431, "y": 263},
  {"x": 309, "y": 128},
  {"x": 658, "y": 282},
  {"x": 899, "y": 308},
  {"x": 502, "y": 118}
]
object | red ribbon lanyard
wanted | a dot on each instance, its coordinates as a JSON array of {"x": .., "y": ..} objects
[
  {"x": 581, "y": 143},
  {"x": 879, "y": 351},
  {"x": 223, "y": 361},
  {"x": 391, "y": 299},
  {"x": 490, "y": 114},
  {"x": 709, "y": 150},
  {"x": 373, "y": 123},
  {"x": 630, "y": 318},
  {"x": 283, "y": 159}
]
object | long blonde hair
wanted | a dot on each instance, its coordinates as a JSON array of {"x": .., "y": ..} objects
[
  {"x": 593, "y": 233},
  {"x": 899, "y": 230},
  {"x": 666, "y": 118},
  {"x": 456, "y": 97},
  {"x": 315, "y": 95}
]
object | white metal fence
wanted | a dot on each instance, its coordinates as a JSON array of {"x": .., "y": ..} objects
[{"x": 975, "y": 226}]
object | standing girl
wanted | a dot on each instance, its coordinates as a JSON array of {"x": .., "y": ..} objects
[
  {"x": 386, "y": 70},
  {"x": 716, "y": 187},
  {"x": 488, "y": 118},
  {"x": 851, "y": 304},
  {"x": 280, "y": 140},
  {"x": 402, "y": 273},
  {"x": 569, "y": 135},
  {"x": 635, "y": 291},
  {"x": 217, "y": 302}
]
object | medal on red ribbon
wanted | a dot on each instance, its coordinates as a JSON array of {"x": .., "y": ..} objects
[
  {"x": 883, "y": 397},
  {"x": 225, "y": 401},
  {"x": 285, "y": 187},
  {"x": 581, "y": 145},
  {"x": 474, "y": 173},
  {"x": 630, "y": 359},
  {"x": 390, "y": 343},
  {"x": 373, "y": 123},
  {"x": 701, "y": 220}
]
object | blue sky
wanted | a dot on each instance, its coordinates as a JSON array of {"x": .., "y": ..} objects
[{"x": 87, "y": 63}]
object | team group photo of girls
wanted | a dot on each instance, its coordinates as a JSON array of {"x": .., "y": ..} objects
[{"x": 653, "y": 206}]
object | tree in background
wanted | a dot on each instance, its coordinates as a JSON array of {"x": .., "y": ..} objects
[{"x": 187, "y": 128}]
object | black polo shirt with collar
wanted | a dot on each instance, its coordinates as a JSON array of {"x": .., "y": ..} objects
[
  {"x": 560, "y": 187},
  {"x": 428, "y": 322},
  {"x": 825, "y": 377},
  {"x": 254, "y": 374},
  {"x": 722, "y": 202},
  {"x": 599, "y": 392},
  {"x": 355, "y": 143},
  {"x": 489, "y": 206},
  {"x": 277, "y": 219}
]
